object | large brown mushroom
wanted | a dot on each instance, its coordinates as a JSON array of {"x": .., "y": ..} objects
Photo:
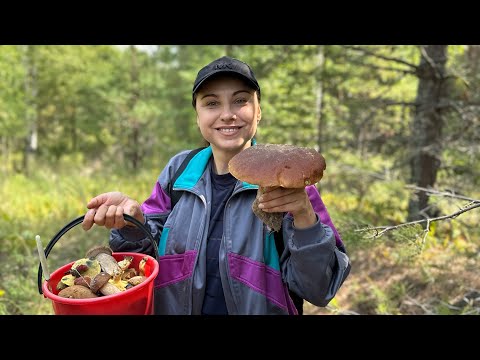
[{"x": 273, "y": 165}]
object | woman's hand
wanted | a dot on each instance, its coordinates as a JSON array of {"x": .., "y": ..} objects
[
  {"x": 107, "y": 210},
  {"x": 295, "y": 201}
]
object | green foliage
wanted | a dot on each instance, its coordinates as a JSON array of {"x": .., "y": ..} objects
[
  {"x": 12, "y": 104},
  {"x": 408, "y": 242}
]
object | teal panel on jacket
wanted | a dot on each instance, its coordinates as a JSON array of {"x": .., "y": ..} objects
[
  {"x": 194, "y": 169},
  {"x": 270, "y": 253},
  {"x": 247, "y": 185},
  {"x": 163, "y": 242}
]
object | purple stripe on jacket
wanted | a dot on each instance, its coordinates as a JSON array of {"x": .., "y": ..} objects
[
  {"x": 175, "y": 268},
  {"x": 158, "y": 202},
  {"x": 322, "y": 212},
  {"x": 258, "y": 276}
]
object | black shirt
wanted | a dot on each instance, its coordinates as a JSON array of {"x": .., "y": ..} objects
[{"x": 214, "y": 301}]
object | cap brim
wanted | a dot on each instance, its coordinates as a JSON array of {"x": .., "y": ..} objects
[{"x": 223, "y": 71}]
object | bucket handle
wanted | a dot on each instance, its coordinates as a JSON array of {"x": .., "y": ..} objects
[{"x": 78, "y": 221}]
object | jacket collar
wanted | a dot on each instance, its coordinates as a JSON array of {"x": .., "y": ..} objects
[{"x": 196, "y": 167}]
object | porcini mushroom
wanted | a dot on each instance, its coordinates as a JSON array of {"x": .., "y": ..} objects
[
  {"x": 100, "y": 283},
  {"x": 84, "y": 281},
  {"x": 142, "y": 266},
  {"x": 137, "y": 280},
  {"x": 103, "y": 254},
  {"x": 273, "y": 165},
  {"x": 77, "y": 292}
]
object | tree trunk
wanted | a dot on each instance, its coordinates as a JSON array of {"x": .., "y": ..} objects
[
  {"x": 31, "y": 109},
  {"x": 426, "y": 138},
  {"x": 229, "y": 50},
  {"x": 134, "y": 147},
  {"x": 5, "y": 153},
  {"x": 473, "y": 58},
  {"x": 319, "y": 98},
  {"x": 73, "y": 130}
]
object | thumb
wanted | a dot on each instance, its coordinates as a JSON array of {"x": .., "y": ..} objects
[
  {"x": 134, "y": 211},
  {"x": 130, "y": 210},
  {"x": 97, "y": 201}
]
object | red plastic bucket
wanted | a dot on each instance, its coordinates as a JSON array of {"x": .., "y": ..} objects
[{"x": 137, "y": 300}]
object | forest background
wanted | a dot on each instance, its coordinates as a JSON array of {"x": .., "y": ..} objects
[{"x": 398, "y": 126}]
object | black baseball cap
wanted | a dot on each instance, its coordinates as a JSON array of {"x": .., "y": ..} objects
[{"x": 225, "y": 64}]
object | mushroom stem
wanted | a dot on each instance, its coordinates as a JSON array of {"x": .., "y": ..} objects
[
  {"x": 272, "y": 220},
  {"x": 109, "y": 289},
  {"x": 141, "y": 266}
]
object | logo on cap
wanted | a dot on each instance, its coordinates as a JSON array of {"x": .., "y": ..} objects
[{"x": 223, "y": 66}]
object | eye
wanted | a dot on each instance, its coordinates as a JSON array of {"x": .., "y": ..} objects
[
  {"x": 240, "y": 101},
  {"x": 212, "y": 103}
]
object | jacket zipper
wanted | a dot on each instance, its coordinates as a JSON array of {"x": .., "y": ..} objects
[
  {"x": 225, "y": 251},
  {"x": 189, "y": 305}
]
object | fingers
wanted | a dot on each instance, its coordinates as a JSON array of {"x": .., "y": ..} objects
[
  {"x": 283, "y": 204},
  {"x": 119, "y": 219},
  {"x": 107, "y": 210},
  {"x": 283, "y": 200},
  {"x": 97, "y": 201},
  {"x": 276, "y": 193},
  {"x": 88, "y": 220},
  {"x": 100, "y": 215},
  {"x": 108, "y": 198},
  {"x": 114, "y": 217},
  {"x": 109, "y": 216}
]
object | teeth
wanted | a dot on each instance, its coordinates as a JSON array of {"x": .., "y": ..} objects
[{"x": 228, "y": 130}]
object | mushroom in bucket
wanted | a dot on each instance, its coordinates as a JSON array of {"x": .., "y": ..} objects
[{"x": 100, "y": 274}]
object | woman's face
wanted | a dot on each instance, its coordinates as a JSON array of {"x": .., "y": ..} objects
[{"x": 228, "y": 112}]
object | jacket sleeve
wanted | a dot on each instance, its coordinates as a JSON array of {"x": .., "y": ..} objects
[
  {"x": 155, "y": 211},
  {"x": 133, "y": 239},
  {"x": 314, "y": 263}
]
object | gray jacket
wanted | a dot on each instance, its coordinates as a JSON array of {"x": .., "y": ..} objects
[{"x": 255, "y": 278}]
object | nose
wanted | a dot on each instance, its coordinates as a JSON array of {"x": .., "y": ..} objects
[{"x": 228, "y": 114}]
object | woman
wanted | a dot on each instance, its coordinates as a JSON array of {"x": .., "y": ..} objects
[{"x": 216, "y": 257}]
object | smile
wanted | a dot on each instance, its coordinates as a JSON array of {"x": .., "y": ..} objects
[{"x": 229, "y": 130}]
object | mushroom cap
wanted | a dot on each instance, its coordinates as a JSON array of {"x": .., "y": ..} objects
[
  {"x": 283, "y": 165},
  {"x": 93, "y": 252},
  {"x": 98, "y": 281},
  {"x": 77, "y": 292}
]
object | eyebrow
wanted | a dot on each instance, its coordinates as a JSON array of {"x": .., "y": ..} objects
[{"x": 235, "y": 93}]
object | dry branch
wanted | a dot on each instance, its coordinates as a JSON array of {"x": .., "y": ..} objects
[
  {"x": 383, "y": 229},
  {"x": 379, "y": 56}
]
